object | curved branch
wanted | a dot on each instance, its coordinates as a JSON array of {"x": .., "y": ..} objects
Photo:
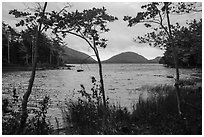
[
  {"x": 166, "y": 30},
  {"x": 81, "y": 36},
  {"x": 95, "y": 49},
  {"x": 160, "y": 16},
  {"x": 160, "y": 23},
  {"x": 149, "y": 21},
  {"x": 64, "y": 8}
]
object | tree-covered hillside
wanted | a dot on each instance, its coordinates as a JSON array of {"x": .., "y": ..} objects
[{"x": 189, "y": 42}]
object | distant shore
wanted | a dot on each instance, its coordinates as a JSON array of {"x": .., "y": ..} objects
[
  {"x": 13, "y": 67},
  {"x": 17, "y": 67}
]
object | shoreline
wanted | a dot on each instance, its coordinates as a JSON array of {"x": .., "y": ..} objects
[{"x": 29, "y": 68}]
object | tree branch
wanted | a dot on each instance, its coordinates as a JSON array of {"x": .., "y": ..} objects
[
  {"x": 160, "y": 23},
  {"x": 149, "y": 21},
  {"x": 81, "y": 36},
  {"x": 63, "y": 9}
]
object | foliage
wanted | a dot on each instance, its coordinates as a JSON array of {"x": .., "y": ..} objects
[
  {"x": 96, "y": 96},
  {"x": 189, "y": 42},
  {"x": 28, "y": 19},
  {"x": 154, "y": 13},
  {"x": 88, "y": 24},
  {"x": 10, "y": 35},
  {"x": 36, "y": 124},
  {"x": 22, "y": 45},
  {"x": 49, "y": 49}
]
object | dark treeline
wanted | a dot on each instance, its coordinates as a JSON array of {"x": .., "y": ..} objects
[
  {"x": 18, "y": 48},
  {"x": 189, "y": 43}
]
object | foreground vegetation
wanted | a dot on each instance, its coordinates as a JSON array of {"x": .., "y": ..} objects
[
  {"x": 37, "y": 123},
  {"x": 156, "y": 115}
]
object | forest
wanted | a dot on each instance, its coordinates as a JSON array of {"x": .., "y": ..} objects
[
  {"x": 18, "y": 47},
  {"x": 189, "y": 42}
]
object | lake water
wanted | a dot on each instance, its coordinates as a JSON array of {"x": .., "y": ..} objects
[{"x": 122, "y": 81}]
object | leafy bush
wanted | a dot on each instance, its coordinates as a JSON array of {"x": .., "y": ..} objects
[{"x": 36, "y": 123}]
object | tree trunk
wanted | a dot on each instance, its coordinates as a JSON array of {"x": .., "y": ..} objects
[
  {"x": 50, "y": 58},
  {"x": 32, "y": 52},
  {"x": 8, "y": 51},
  {"x": 175, "y": 55},
  {"x": 58, "y": 61},
  {"x": 27, "y": 59},
  {"x": 102, "y": 87},
  {"x": 101, "y": 77},
  {"x": 24, "y": 113}
]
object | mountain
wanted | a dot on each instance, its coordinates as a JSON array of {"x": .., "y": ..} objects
[
  {"x": 127, "y": 57},
  {"x": 130, "y": 57},
  {"x": 155, "y": 60},
  {"x": 75, "y": 57}
]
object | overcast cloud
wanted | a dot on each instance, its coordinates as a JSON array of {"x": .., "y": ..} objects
[{"x": 120, "y": 36}]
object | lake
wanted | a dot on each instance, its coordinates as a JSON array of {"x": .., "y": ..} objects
[{"x": 122, "y": 81}]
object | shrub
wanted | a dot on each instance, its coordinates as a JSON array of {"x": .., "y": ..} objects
[{"x": 37, "y": 124}]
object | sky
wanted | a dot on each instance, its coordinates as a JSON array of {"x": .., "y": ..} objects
[{"x": 120, "y": 37}]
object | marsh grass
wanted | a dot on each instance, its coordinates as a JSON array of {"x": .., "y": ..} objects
[
  {"x": 160, "y": 111},
  {"x": 154, "y": 114}
]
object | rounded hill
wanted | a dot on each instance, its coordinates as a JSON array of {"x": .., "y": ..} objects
[{"x": 127, "y": 57}]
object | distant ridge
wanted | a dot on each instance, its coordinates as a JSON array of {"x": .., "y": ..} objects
[
  {"x": 72, "y": 56},
  {"x": 155, "y": 60},
  {"x": 130, "y": 57}
]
